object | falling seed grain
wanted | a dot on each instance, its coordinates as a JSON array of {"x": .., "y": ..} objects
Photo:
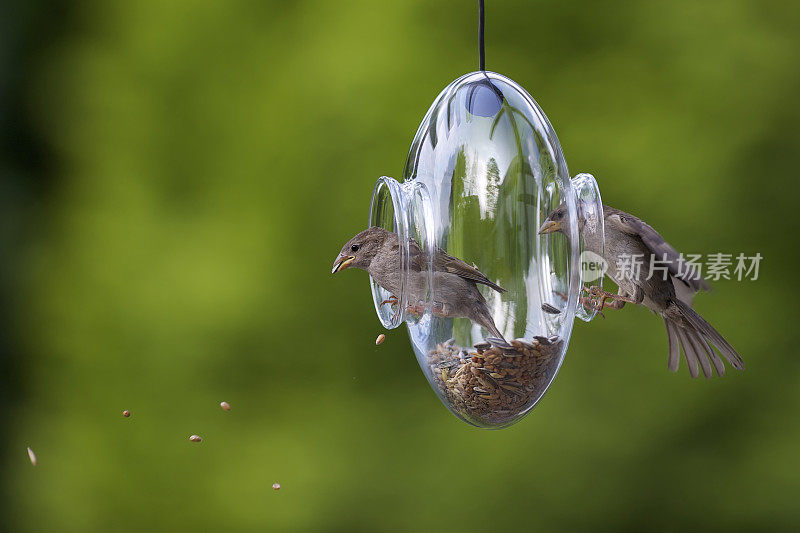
[
  {"x": 276, "y": 486},
  {"x": 126, "y": 413},
  {"x": 196, "y": 438},
  {"x": 225, "y": 406},
  {"x": 32, "y": 456},
  {"x": 380, "y": 339}
]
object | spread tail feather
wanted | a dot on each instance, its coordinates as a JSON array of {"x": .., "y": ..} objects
[
  {"x": 689, "y": 353},
  {"x": 674, "y": 346},
  {"x": 689, "y": 331}
]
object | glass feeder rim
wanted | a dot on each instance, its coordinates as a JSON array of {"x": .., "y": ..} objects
[{"x": 399, "y": 193}]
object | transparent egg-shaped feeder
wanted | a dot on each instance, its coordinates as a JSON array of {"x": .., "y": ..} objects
[{"x": 484, "y": 171}]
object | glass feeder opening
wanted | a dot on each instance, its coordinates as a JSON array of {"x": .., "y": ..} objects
[{"x": 489, "y": 286}]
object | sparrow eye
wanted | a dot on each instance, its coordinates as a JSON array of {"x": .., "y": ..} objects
[{"x": 354, "y": 248}]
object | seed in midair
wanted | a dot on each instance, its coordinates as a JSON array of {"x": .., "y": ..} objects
[
  {"x": 32, "y": 456},
  {"x": 380, "y": 339},
  {"x": 126, "y": 413},
  {"x": 225, "y": 406},
  {"x": 196, "y": 438},
  {"x": 276, "y": 486}
]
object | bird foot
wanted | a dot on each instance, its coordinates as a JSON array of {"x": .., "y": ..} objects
[
  {"x": 597, "y": 292},
  {"x": 591, "y": 305},
  {"x": 416, "y": 310},
  {"x": 599, "y": 299},
  {"x": 391, "y": 300},
  {"x": 587, "y": 302},
  {"x": 394, "y": 304}
]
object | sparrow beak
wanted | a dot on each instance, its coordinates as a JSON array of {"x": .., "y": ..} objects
[
  {"x": 342, "y": 262},
  {"x": 549, "y": 226}
]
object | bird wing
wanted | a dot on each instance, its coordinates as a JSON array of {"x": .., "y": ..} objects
[
  {"x": 444, "y": 262},
  {"x": 447, "y": 263},
  {"x": 659, "y": 247}
]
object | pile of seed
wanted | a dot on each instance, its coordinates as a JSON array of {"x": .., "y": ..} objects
[{"x": 494, "y": 382}]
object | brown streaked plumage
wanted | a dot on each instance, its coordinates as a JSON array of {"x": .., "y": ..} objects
[
  {"x": 667, "y": 295},
  {"x": 456, "y": 292}
]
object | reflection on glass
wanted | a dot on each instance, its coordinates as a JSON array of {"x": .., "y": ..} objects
[{"x": 484, "y": 170}]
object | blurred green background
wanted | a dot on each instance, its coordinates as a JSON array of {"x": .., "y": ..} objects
[{"x": 177, "y": 178}]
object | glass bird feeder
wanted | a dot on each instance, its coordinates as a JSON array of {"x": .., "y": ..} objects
[{"x": 484, "y": 171}]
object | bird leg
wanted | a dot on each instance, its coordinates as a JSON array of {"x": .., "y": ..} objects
[
  {"x": 617, "y": 300},
  {"x": 598, "y": 299},
  {"x": 586, "y": 301},
  {"x": 590, "y": 305},
  {"x": 391, "y": 300},
  {"x": 417, "y": 310},
  {"x": 594, "y": 290},
  {"x": 614, "y": 304},
  {"x": 394, "y": 304}
]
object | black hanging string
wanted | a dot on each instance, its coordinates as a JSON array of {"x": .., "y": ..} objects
[
  {"x": 480, "y": 101},
  {"x": 481, "y": 51}
]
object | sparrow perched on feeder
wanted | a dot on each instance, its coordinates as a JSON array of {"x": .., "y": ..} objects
[
  {"x": 455, "y": 293},
  {"x": 668, "y": 294}
]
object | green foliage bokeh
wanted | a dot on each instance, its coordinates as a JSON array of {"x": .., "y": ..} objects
[{"x": 195, "y": 168}]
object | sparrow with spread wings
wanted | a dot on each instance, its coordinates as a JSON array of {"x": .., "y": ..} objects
[{"x": 669, "y": 294}]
